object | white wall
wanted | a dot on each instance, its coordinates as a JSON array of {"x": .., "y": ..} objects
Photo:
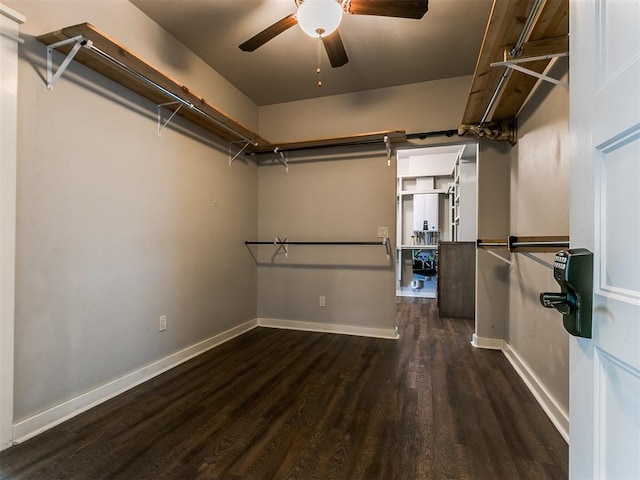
[
  {"x": 468, "y": 185},
  {"x": 115, "y": 226}
]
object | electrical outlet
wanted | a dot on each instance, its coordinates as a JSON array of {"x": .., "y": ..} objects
[
  {"x": 322, "y": 301},
  {"x": 383, "y": 232},
  {"x": 162, "y": 323}
]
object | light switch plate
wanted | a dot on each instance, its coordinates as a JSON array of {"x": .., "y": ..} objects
[{"x": 383, "y": 232}]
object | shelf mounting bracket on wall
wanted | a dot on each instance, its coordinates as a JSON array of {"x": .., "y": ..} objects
[
  {"x": 514, "y": 64},
  {"x": 239, "y": 152},
  {"x": 162, "y": 125},
  {"x": 52, "y": 78}
]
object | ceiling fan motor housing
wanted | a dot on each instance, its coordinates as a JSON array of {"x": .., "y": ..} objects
[{"x": 319, "y": 18}]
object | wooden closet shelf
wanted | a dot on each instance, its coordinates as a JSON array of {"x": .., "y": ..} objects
[
  {"x": 548, "y": 36},
  {"x": 116, "y": 62},
  {"x": 394, "y": 136},
  {"x": 218, "y": 120}
]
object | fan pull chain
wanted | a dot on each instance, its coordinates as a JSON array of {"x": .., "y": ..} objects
[{"x": 319, "y": 60}]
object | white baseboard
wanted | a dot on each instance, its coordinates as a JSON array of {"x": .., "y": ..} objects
[
  {"x": 328, "y": 328},
  {"x": 488, "y": 343},
  {"x": 40, "y": 422},
  {"x": 558, "y": 416}
]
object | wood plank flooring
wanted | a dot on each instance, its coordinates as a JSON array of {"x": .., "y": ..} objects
[{"x": 279, "y": 404}]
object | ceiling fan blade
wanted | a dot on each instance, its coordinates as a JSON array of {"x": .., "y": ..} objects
[
  {"x": 389, "y": 8},
  {"x": 335, "y": 49},
  {"x": 268, "y": 33}
]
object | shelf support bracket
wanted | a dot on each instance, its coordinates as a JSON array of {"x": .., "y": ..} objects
[
  {"x": 499, "y": 257},
  {"x": 283, "y": 158},
  {"x": 514, "y": 64},
  {"x": 239, "y": 152},
  {"x": 533, "y": 257},
  {"x": 162, "y": 125},
  {"x": 387, "y": 144},
  {"x": 52, "y": 78}
]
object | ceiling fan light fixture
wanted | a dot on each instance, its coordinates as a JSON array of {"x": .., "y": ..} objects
[{"x": 319, "y": 18}]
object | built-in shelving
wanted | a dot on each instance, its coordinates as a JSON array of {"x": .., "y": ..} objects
[
  {"x": 423, "y": 179},
  {"x": 406, "y": 193}
]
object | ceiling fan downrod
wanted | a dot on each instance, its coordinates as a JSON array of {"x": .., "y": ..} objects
[{"x": 318, "y": 70}]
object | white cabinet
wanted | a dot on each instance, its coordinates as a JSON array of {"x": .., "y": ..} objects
[{"x": 426, "y": 208}]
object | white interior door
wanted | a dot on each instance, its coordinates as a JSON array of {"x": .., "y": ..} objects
[{"x": 605, "y": 218}]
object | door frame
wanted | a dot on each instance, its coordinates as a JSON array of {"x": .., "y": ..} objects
[{"x": 9, "y": 40}]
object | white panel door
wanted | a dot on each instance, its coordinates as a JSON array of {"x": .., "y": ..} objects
[{"x": 605, "y": 218}]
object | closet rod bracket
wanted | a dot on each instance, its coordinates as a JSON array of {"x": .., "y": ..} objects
[
  {"x": 282, "y": 245},
  {"x": 387, "y": 143},
  {"x": 284, "y": 158},
  {"x": 80, "y": 41},
  {"x": 386, "y": 241}
]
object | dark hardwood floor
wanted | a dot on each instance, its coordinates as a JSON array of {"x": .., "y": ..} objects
[{"x": 279, "y": 404}]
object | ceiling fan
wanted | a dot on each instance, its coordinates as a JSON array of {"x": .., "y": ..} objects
[{"x": 320, "y": 18}]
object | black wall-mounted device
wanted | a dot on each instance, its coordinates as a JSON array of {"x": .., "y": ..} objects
[{"x": 573, "y": 270}]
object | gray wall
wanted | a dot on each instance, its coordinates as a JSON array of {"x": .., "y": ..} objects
[
  {"x": 492, "y": 287},
  {"x": 115, "y": 226},
  {"x": 540, "y": 206},
  {"x": 340, "y": 195},
  {"x": 344, "y": 198},
  {"x": 419, "y": 107},
  {"x": 523, "y": 190}
]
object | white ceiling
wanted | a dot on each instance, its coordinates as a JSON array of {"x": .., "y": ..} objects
[{"x": 383, "y": 51}]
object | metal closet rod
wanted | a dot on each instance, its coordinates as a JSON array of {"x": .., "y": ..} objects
[
  {"x": 355, "y": 143},
  {"x": 513, "y": 243},
  {"x": 287, "y": 242},
  {"x": 385, "y": 242},
  {"x": 168, "y": 93}
]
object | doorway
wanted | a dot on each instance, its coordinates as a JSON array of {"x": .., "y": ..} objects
[{"x": 435, "y": 202}]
